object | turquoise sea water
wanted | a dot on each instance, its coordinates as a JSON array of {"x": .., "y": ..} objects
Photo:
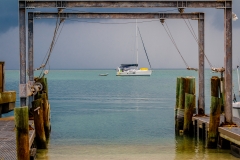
[{"x": 111, "y": 117}]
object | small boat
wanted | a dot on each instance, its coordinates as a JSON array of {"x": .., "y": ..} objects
[
  {"x": 104, "y": 74},
  {"x": 236, "y": 105},
  {"x": 132, "y": 69},
  {"x": 236, "y": 109}
]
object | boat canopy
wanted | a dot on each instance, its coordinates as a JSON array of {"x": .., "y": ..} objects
[{"x": 128, "y": 65}]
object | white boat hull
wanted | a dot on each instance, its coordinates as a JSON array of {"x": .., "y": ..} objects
[
  {"x": 236, "y": 109},
  {"x": 135, "y": 73}
]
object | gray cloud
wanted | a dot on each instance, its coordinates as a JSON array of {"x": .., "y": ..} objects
[
  {"x": 9, "y": 14},
  {"x": 93, "y": 45}
]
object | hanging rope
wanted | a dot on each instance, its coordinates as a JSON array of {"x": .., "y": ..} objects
[
  {"x": 189, "y": 25},
  {"x": 144, "y": 47},
  {"x": 174, "y": 43},
  {"x": 196, "y": 39},
  {"x": 54, "y": 40}
]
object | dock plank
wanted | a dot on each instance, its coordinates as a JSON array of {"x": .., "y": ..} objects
[
  {"x": 8, "y": 139},
  {"x": 231, "y": 134}
]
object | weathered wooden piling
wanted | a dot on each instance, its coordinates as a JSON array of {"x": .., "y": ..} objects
[
  {"x": 182, "y": 93},
  {"x": 2, "y": 77},
  {"x": 177, "y": 96},
  {"x": 185, "y": 86},
  {"x": 43, "y": 81},
  {"x": 191, "y": 89},
  {"x": 190, "y": 85},
  {"x": 22, "y": 133},
  {"x": 222, "y": 94},
  {"x": 215, "y": 111},
  {"x": 188, "y": 113},
  {"x": 39, "y": 124},
  {"x": 46, "y": 115},
  {"x": 215, "y": 86},
  {"x": 180, "y": 108},
  {"x": 7, "y": 98}
]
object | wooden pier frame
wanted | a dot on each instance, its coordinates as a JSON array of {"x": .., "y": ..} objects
[
  {"x": 231, "y": 134},
  {"x": 8, "y": 148},
  {"x": 193, "y": 16},
  {"x": 7, "y": 98},
  {"x": 226, "y": 5}
]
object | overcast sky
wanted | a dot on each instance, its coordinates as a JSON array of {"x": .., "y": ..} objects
[{"x": 99, "y": 45}]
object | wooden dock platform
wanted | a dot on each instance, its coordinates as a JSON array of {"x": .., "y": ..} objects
[
  {"x": 231, "y": 135},
  {"x": 8, "y": 138}
]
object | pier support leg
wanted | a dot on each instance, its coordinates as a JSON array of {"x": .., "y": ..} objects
[
  {"x": 2, "y": 77},
  {"x": 39, "y": 124},
  {"x": 195, "y": 129},
  {"x": 181, "y": 101},
  {"x": 228, "y": 65},
  {"x": 0, "y": 111},
  {"x": 22, "y": 133},
  {"x": 177, "y": 97},
  {"x": 46, "y": 116},
  {"x": 30, "y": 54},
  {"x": 203, "y": 131},
  {"x": 22, "y": 36},
  {"x": 201, "y": 101},
  {"x": 188, "y": 113},
  {"x": 214, "y": 122},
  {"x": 215, "y": 111}
]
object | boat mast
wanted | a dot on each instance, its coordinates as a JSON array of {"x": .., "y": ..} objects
[
  {"x": 238, "y": 81},
  {"x": 136, "y": 42}
]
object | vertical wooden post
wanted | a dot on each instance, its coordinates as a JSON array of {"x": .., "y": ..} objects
[
  {"x": 215, "y": 86},
  {"x": 46, "y": 118},
  {"x": 190, "y": 85},
  {"x": 22, "y": 36},
  {"x": 182, "y": 93},
  {"x": 30, "y": 54},
  {"x": 0, "y": 111},
  {"x": 180, "y": 109},
  {"x": 204, "y": 131},
  {"x": 177, "y": 96},
  {"x": 39, "y": 124},
  {"x": 22, "y": 133},
  {"x": 214, "y": 112},
  {"x": 201, "y": 48},
  {"x": 43, "y": 81},
  {"x": 188, "y": 113},
  {"x": 228, "y": 63},
  {"x": 214, "y": 122},
  {"x": 222, "y": 94},
  {"x": 2, "y": 77}
]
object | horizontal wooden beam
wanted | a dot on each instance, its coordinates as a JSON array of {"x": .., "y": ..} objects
[
  {"x": 193, "y": 16},
  {"x": 127, "y": 4},
  {"x": 8, "y": 96}
]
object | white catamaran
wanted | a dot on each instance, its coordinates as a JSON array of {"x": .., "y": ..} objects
[{"x": 132, "y": 69}]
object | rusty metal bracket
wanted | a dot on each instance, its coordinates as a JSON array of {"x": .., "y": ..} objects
[
  {"x": 36, "y": 109},
  {"x": 189, "y": 68},
  {"x": 181, "y": 10},
  {"x": 218, "y": 69},
  {"x": 22, "y": 90},
  {"x": 162, "y": 20}
]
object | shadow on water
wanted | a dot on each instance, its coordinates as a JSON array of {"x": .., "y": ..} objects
[{"x": 193, "y": 148}]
